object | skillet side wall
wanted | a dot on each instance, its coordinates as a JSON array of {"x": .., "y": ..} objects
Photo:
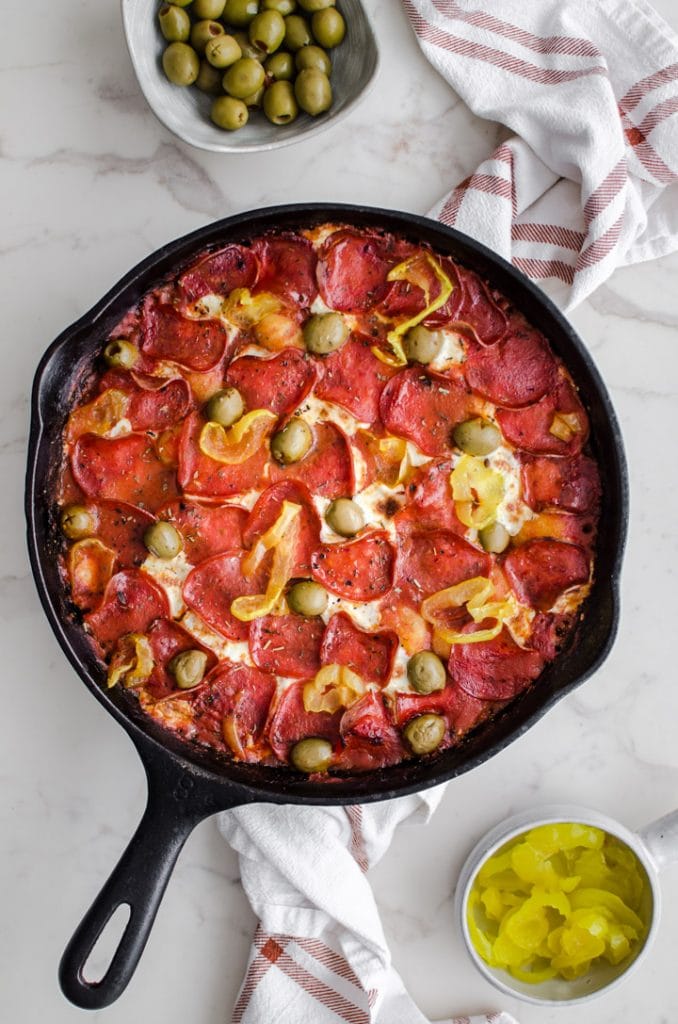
[{"x": 68, "y": 364}]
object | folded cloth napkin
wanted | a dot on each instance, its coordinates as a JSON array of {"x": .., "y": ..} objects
[
  {"x": 319, "y": 955},
  {"x": 589, "y": 181}
]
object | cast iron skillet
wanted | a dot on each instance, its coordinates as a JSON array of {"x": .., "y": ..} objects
[{"x": 186, "y": 783}]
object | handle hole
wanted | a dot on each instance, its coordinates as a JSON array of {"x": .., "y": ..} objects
[{"x": 104, "y": 948}]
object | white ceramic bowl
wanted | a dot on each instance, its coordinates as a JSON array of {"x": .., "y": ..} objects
[
  {"x": 185, "y": 111},
  {"x": 654, "y": 846}
]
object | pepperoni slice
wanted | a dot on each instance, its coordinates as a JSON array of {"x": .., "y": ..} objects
[
  {"x": 352, "y": 271},
  {"x": 569, "y": 484},
  {"x": 212, "y": 586},
  {"x": 288, "y": 645},
  {"x": 160, "y": 406},
  {"x": 267, "y": 510},
  {"x": 461, "y": 711},
  {"x": 530, "y": 428},
  {"x": 122, "y": 469},
  {"x": 291, "y": 722},
  {"x": 370, "y": 738},
  {"x": 563, "y": 526},
  {"x": 550, "y": 631},
  {"x": 479, "y": 309},
  {"x": 354, "y": 378},
  {"x": 359, "y": 570},
  {"x": 195, "y": 344},
  {"x": 449, "y": 312},
  {"x": 219, "y": 273},
  {"x": 516, "y": 371},
  {"x": 131, "y": 602},
  {"x": 404, "y": 299},
  {"x": 327, "y": 470},
  {"x": 206, "y": 478},
  {"x": 433, "y": 560},
  {"x": 495, "y": 670},
  {"x": 425, "y": 407},
  {"x": 121, "y": 527},
  {"x": 167, "y": 639},
  {"x": 280, "y": 383},
  {"x": 370, "y": 655},
  {"x": 230, "y": 713},
  {"x": 287, "y": 268},
  {"x": 540, "y": 570},
  {"x": 430, "y": 505},
  {"x": 207, "y": 530}
]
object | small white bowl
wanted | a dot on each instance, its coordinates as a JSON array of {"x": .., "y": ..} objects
[
  {"x": 185, "y": 111},
  {"x": 651, "y": 847}
]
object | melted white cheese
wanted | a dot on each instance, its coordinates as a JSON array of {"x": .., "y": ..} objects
[
  {"x": 452, "y": 352},
  {"x": 512, "y": 512},
  {"x": 229, "y": 650},
  {"x": 170, "y": 573}
]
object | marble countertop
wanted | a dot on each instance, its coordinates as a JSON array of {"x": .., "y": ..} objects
[{"x": 91, "y": 184}]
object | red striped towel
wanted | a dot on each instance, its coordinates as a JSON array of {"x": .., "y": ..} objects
[{"x": 589, "y": 181}]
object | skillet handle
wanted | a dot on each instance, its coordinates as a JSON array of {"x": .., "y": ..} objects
[{"x": 138, "y": 880}]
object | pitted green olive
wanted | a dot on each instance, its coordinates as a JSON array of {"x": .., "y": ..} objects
[
  {"x": 328, "y": 27},
  {"x": 244, "y": 78},
  {"x": 267, "y": 31},
  {"x": 494, "y": 538},
  {"x": 163, "y": 540},
  {"x": 77, "y": 522},
  {"x": 188, "y": 668},
  {"x": 254, "y": 101},
  {"x": 325, "y": 332},
  {"x": 421, "y": 345},
  {"x": 283, "y": 7},
  {"x": 313, "y": 91},
  {"x": 477, "y": 436},
  {"x": 280, "y": 105},
  {"x": 240, "y": 12},
  {"x": 311, "y": 755},
  {"x": 181, "y": 64},
  {"x": 203, "y": 31},
  {"x": 297, "y": 33},
  {"x": 208, "y": 8},
  {"x": 307, "y": 598},
  {"x": 426, "y": 672},
  {"x": 292, "y": 442},
  {"x": 246, "y": 47},
  {"x": 121, "y": 354},
  {"x": 313, "y": 57},
  {"x": 175, "y": 24},
  {"x": 280, "y": 66},
  {"x": 229, "y": 113},
  {"x": 222, "y": 51},
  {"x": 425, "y": 733},
  {"x": 226, "y": 406},
  {"x": 316, "y": 5},
  {"x": 209, "y": 78},
  {"x": 345, "y": 517}
]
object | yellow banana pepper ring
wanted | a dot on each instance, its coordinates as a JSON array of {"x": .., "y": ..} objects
[
  {"x": 98, "y": 416},
  {"x": 477, "y": 491},
  {"x": 132, "y": 662},
  {"x": 244, "y": 310},
  {"x": 396, "y": 448},
  {"x": 473, "y": 593},
  {"x": 409, "y": 270},
  {"x": 334, "y": 687},
  {"x": 236, "y": 444},
  {"x": 282, "y": 538}
]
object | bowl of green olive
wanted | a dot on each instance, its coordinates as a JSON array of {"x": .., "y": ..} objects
[{"x": 238, "y": 76}]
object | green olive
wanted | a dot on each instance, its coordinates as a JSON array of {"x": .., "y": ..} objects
[
  {"x": 222, "y": 51},
  {"x": 209, "y": 78},
  {"x": 254, "y": 101},
  {"x": 316, "y": 5},
  {"x": 240, "y": 12},
  {"x": 297, "y": 33},
  {"x": 243, "y": 78},
  {"x": 121, "y": 354},
  {"x": 425, "y": 733},
  {"x": 292, "y": 442},
  {"x": 175, "y": 24},
  {"x": 226, "y": 406},
  {"x": 208, "y": 8},
  {"x": 280, "y": 105},
  {"x": 181, "y": 64},
  {"x": 494, "y": 538},
  {"x": 477, "y": 436},
  {"x": 182, "y": 3},
  {"x": 313, "y": 57},
  {"x": 283, "y": 7},
  {"x": 202, "y": 32},
  {"x": 311, "y": 755},
  {"x": 426, "y": 672},
  {"x": 313, "y": 91},
  {"x": 188, "y": 668},
  {"x": 307, "y": 598},
  {"x": 345, "y": 517},
  {"x": 163, "y": 540},
  {"x": 229, "y": 113},
  {"x": 247, "y": 48},
  {"x": 329, "y": 28},
  {"x": 77, "y": 522},
  {"x": 325, "y": 332},
  {"x": 422, "y": 345},
  {"x": 267, "y": 31},
  {"x": 280, "y": 67}
]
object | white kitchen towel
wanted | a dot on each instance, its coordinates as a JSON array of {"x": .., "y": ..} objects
[
  {"x": 319, "y": 955},
  {"x": 589, "y": 181}
]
